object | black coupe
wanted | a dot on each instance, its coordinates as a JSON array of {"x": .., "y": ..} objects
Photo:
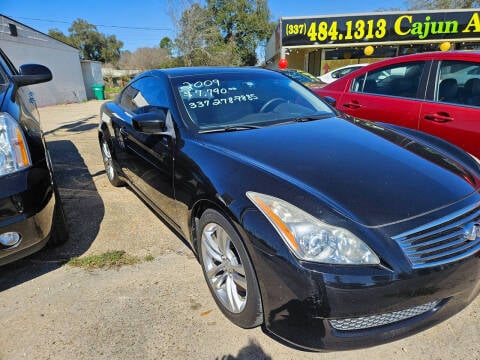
[{"x": 330, "y": 232}]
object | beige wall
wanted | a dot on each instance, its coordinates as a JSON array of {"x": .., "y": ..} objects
[{"x": 296, "y": 59}]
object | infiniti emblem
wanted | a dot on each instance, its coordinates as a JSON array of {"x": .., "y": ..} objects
[{"x": 472, "y": 231}]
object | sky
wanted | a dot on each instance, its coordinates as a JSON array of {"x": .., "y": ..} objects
[{"x": 143, "y": 23}]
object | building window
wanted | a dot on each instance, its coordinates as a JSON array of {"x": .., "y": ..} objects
[{"x": 13, "y": 29}]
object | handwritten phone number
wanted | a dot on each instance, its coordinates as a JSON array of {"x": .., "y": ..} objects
[
  {"x": 222, "y": 101},
  {"x": 322, "y": 31}
]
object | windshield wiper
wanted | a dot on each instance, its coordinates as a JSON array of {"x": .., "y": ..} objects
[
  {"x": 311, "y": 117},
  {"x": 304, "y": 118},
  {"x": 230, "y": 128}
]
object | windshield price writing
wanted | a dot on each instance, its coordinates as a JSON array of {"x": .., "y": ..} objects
[{"x": 222, "y": 101}]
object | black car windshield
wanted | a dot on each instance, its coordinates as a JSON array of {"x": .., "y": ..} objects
[{"x": 247, "y": 100}]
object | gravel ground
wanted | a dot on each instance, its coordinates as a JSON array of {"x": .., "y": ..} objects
[{"x": 153, "y": 310}]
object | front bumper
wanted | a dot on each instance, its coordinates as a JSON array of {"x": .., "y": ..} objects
[
  {"x": 314, "y": 310},
  {"x": 27, "y": 204},
  {"x": 317, "y": 307}
]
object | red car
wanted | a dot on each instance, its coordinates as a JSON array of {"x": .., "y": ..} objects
[{"x": 438, "y": 93}]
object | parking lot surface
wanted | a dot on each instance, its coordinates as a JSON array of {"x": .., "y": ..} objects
[{"x": 153, "y": 310}]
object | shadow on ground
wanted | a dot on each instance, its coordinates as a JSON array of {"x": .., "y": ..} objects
[
  {"x": 75, "y": 126},
  {"x": 84, "y": 210},
  {"x": 253, "y": 351}
]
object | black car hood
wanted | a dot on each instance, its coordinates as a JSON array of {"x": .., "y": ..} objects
[{"x": 368, "y": 173}]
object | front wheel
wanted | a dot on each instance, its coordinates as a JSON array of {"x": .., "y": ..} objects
[
  {"x": 109, "y": 166},
  {"x": 229, "y": 271}
]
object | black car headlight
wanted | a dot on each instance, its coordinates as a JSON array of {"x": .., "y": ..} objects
[
  {"x": 311, "y": 239},
  {"x": 14, "y": 155}
]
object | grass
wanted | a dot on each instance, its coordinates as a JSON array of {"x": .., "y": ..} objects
[
  {"x": 148, "y": 258},
  {"x": 107, "y": 260},
  {"x": 111, "y": 92},
  {"x": 115, "y": 90}
]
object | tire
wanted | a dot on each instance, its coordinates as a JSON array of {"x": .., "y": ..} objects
[
  {"x": 112, "y": 174},
  {"x": 228, "y": 271},
  {"x": 59, "y": 232}
]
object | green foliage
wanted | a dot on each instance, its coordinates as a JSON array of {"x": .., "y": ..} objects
[
  {"x": 167, "y": 44},
  {"x": 441, "y": 4},
  {"x": 108, "y": 260},
  {"x": 149, "y": 258},
  {"x": 245, "y": 23},
  {"x": 223, "y": 32},
  {"x": 57, "y": 34},
  {"x": 173, "y": 62},
  {"x": 92, "y": 44},
  {"x": 196, "y": 34}
]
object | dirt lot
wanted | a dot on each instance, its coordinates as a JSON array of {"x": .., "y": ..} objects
[{"x": 157, "y": 309}]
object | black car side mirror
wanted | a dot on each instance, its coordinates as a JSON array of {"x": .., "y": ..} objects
[
  {"x": 152, "y": 122},
  {"x": 30, "y": 74}
]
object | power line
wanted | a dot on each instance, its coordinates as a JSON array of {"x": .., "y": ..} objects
[{"x": 99, "y": 25}]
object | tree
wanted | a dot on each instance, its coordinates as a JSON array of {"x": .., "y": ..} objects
[
  {"x": 92, "y": 44},
  {"x": 144, "y": 59},
  {"x": 222, "y": 32},
  {"x": 166, "y": 43},
  {"x": 243, "y": 23},
  {"x": 59, "y": 35},
  {"x": 196, "y": 34},
  {"x": 85, "y": 37},
  {"x": 442, "y": 4},
  {"x": 111, "y": 49}
]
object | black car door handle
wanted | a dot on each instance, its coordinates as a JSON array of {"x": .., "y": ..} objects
[
  {"x": 354, "y": 104},
  {"x": 440, "y": 117}
]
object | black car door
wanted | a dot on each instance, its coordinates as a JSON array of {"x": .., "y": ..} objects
[{"x": 148, "y": 158}]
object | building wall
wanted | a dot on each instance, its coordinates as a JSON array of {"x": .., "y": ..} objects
[
  {"x": 296, "y": 59},
  {"x": 30, "y": 46}
]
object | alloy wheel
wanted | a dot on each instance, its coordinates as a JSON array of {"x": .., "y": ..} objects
[
  {"x": 223, "y": 267},
  {"x": 107, "y": 160}
]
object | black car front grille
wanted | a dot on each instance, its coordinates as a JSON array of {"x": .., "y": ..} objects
[
  {"x": 372, "y": 321},
  {"x": 446, "y": 240}
]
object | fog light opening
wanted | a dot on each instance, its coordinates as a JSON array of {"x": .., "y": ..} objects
[{"x": 10, "y": 239}]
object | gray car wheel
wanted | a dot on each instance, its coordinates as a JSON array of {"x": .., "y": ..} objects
[
  {"x": 109, "y": 165},
  {"x": 229, "y": 271}
]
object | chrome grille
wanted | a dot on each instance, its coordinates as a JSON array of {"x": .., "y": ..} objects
[
  {"x": 366, "y": 322},
  {"x": 444, "y": 240}
]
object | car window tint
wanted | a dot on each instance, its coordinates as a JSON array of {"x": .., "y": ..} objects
[
  {"x": 126, "y": 98},
  {"x": 396, "y": 80},
  {"x": 458, "y": 82},
  {"x": 143, "y": 94}
]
